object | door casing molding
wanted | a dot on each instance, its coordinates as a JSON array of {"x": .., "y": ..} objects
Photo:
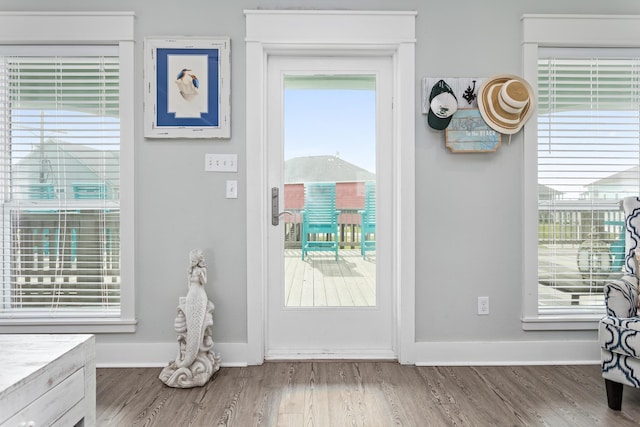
[{"x": 304, "y": 33}]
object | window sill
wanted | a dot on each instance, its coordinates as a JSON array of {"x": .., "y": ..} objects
[
  {"x": 561, "y": 323},
  {"x": 67, "y": 326}
]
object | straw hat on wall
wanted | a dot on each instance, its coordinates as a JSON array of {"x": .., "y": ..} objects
[{"x": 506, "y": 102}]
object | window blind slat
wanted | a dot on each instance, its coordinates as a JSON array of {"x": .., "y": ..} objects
[
  {"x": 588, "y": 159},
  {"x": 61, "y": 211}
]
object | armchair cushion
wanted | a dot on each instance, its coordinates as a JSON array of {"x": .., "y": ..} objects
[{"x": 621, "y": 297}]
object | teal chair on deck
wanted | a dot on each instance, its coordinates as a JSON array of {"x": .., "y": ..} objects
[
  {"x": 320, "y": 218},
  {"x": 368, "y": 219}
]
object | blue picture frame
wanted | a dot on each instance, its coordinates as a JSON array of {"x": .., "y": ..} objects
[
  {"x": 187, "y": 93},
  {"x": 165, "y": 117}
]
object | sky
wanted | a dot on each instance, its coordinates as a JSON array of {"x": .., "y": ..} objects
[{"x": 331, "y": 122}]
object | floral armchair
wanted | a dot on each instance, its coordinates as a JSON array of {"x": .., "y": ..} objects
[{"x": 619, "y": 330}]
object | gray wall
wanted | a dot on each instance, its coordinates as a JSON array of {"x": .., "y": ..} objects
[{"x": 468, "y": 206}]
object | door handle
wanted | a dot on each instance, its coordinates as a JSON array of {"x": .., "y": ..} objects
[{"x": 275, "y": 207}]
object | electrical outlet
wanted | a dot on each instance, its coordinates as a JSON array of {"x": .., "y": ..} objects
[{"x": 483, "y": 305}]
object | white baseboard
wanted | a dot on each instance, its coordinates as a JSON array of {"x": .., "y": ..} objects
[
  {"x": 128, "y": 355},
  {"x": 504, "y": 353},
  {"x": 425, "y": 353}
]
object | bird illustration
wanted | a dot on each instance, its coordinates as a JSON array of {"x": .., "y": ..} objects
[{"x": 188, "y": 84}]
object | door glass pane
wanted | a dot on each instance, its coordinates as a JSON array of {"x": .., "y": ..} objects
[{"x": 330, "y": 189}]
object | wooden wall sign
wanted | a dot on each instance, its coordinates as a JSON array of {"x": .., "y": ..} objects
[{"x": 468, "y": 133}]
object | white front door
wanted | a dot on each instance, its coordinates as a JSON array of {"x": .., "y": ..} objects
[{"x": 329, "y": 121}]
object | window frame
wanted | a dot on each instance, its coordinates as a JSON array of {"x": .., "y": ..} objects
[
  {"x": 89, "y": 28},
  {"x": 569, "y": 31}
]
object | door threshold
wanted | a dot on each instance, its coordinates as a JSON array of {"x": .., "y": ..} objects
[{"x": 386, "y": 355}]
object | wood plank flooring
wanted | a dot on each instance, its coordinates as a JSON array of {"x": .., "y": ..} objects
[{"x": 368, "y": 393}]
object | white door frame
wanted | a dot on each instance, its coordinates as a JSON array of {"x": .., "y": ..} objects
[{"x": 304, "y": 33}]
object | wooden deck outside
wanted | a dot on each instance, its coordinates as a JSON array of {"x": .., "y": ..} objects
[{"x": 321, "y": 281}]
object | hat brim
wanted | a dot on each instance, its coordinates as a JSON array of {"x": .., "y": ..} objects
[
  {"x": 485, "y": 102},
  {"x": 436, "y": 122}
]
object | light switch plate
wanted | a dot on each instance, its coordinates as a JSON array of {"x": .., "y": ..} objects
[
  {"x": 232, "y": 189},
  {"x": 221, "y": 162}
]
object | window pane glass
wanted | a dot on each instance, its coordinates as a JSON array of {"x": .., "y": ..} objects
[
  {"x": 588, "y": 160},
  {"x": 330, "y": 191},
  {"x": 60, "y": 133}
]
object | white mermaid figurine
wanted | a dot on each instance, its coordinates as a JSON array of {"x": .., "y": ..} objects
[{"x": 195, "y": 363}]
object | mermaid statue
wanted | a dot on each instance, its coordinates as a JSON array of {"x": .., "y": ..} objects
[{"x": 196, "y": 362}]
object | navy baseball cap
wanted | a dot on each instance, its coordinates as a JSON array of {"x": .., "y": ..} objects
[{"x": 442, "y": 105}]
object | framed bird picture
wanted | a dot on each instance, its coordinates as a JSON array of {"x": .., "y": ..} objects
[{"x": 187, "y": 87}]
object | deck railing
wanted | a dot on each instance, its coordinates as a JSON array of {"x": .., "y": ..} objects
[
  {"x": 574, "y": 224},
  {"x": 71, "y": 258}
]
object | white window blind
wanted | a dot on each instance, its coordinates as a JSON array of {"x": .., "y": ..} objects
[
  {"x": 60, "y": 182},
  {"x": 588, "y": 159}
]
